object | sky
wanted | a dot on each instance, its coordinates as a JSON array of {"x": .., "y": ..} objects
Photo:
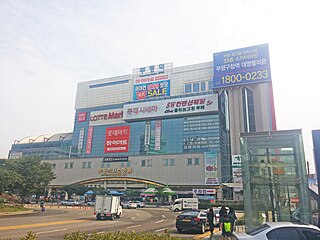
[{"x": 48, "y": 46}]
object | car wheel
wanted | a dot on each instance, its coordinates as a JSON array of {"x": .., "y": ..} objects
[
  {"x": 176, "y": 210},
  {"x": 179, "y": 230},
  {"x": 118, "y": 216},
  {"x": 203, "y": 228},
  {"x": 98, "y": 217}
]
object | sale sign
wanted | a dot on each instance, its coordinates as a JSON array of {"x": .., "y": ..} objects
[{"x": 117, "y": 139}]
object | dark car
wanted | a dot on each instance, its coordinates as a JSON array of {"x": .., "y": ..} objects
[{"x": 192, "y": 220}]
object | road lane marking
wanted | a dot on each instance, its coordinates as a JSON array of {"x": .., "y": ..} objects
[
  {"x": 41, "y": 224},
  {"x": 161, "y": 230},
  {"x": 160, "y": 221},
  {"x": 134, "y": 226},
  {"x": 101, "y": 232},
  {"x": 163, "y": 216},
  {"x": 132, "y": 218},
  {"x": 57, "y": 230}
]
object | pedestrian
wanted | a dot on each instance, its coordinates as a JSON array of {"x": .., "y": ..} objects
[
  {"x": 42, "y": 206},
  {"x": 233, "y": 218},
  {"x": 222, "y": 216},
  {"x": 210, "y": 218}
]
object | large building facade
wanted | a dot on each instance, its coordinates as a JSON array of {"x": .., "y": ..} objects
[{"x": 165, "y": 125}]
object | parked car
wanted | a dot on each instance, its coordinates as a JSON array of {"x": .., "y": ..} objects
[
  {"x": 90, "y": 203},
  {"x": 70, "y": 202},
  {"x": 129, "y": 204},
  {"x": 140, "y": 204},
  {"x": 192, "y": 220},
  {"x": 280, "y": 231}
]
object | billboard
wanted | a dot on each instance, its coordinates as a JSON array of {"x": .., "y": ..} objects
[
  {"x": 117, "y": 139},
  {"x": 236, "y": 171},
  {"x": 211, "y": 168},
  {"x": 89, "y": 140},
  {"x": 151, "y": 81},
  {"x": 171, "y": 107},
  {"x": 241, "y": 66},
  {"x": 106, "y": 117}
]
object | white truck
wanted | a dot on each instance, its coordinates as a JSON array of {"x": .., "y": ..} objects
[
  {"x": 107, "y": 207},
  {"x": 181, "y": 204}
]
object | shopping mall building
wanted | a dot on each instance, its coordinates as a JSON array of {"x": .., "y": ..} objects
[{"x": 163, "y": 125}]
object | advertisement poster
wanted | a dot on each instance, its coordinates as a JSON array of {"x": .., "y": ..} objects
[
  {"x": 241, "y": 66},
  {"x": 236, "y": 171},
  {"x": 211, "y": 168},
  {"x": 157, "y": 137},
  {"x": 117, "y": 139},
  {"x": 151, "y": 81},
  {"x": 89, "y": 140},
  {"x": 171, "y": 107}
]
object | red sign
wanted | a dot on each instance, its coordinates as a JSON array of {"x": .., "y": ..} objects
[
  {"x": 82, "y": 116},
  {"x": 117, "y": 139},
  {"x": 89, "y": 140}
]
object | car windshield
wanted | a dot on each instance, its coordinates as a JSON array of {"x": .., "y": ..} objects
[
  {"x": 257, "y": 230},
  {"x": 189, "y": 213}
]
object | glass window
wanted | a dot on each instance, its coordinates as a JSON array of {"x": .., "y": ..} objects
[
  {"x": 89, "y": 165},
  {"x": 187, "y": 88},
  {"x": 71, "y": 165},
  {"x": 143, "y": 163},
  {"x": 172, "y": 162},
  {"x": 203, "y": 86},
  {"x": 128, "y": 164},
  {"x": 210, "y": 85},
  {"x": 53, "y": 166},
  {"x": 196, "y": 161},
  {"x": 195, "y": 87},
  {"x": 311, "y": 234},
  {"x": 287, "y": 233},
  {"x": 149, "y": 163},
  {"x": 84, "y": 164},
  {"x": 165, "y": 162},
  {"x": 189, "y": 161},
  {"x": 66, "y": 165}
]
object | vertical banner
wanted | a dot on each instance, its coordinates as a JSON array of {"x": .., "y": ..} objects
[
  {"x": 89, "y": 140},
  {"x": 157, "y": 138},
  {"x": 147, "y": 134},
  {"x": 211, "y": 169},
  {"x": 117, "y": 139},
  {"x": 236, "y": 171},
  {"x": 80, "y": 141}
]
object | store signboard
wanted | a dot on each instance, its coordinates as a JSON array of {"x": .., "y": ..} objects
[
  {"x": 207, "y": 191},
  {"x": 89, "y": 140},
  {"x": 211, "y": 168},
  {"x": 80, "y": 140},
  {"x": 151, "y": 81},
  {"x": 241, "y": 66},
  {"x": 157, "y": 137},
  {"x": 82, "y": 116},
  {"x": 171, "y": 107},
  {"x": 115, "y": 159},
  {"x": 117, "y": 139},
  {"x": 236, "y": 171},
  {"x": 106, "y": 117}
]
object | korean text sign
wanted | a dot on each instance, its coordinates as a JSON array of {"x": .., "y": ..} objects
[
  {"x": 117, "y": 139},
  {"x": 241, "y": 66}
]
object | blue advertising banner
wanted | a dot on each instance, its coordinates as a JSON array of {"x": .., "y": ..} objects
[{"x": 241, "y": 66}]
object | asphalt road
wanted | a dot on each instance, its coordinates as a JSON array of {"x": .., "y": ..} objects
[{"x": 54, "y": 223}]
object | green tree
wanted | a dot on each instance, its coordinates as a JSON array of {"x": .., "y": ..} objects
[
  {"x": 35, "y": 175},
  {"x": 8, "y": 178}
]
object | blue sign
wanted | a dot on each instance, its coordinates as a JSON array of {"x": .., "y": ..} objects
[{"x": 241, "y": 66}]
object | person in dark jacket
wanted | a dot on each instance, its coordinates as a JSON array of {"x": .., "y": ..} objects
[
  {"x": 222, "y": 216},
  {"x": 210, "y": 218},
  {"x": 232, "y": 217}
]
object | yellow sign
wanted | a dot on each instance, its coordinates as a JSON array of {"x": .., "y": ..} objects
[{"x": 115, "y": 171}]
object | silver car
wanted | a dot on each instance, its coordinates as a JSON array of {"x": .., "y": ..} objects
[{"x": 281, "y": 231}]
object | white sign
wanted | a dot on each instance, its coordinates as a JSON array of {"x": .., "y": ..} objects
[
  {"x": 106, "y": 117},
  {"x": 157, "y": 137},
  {"x": 80, "y": 141},
  {"x": 236, "y": 171},
  {"x": 204, "y": 191},
  {"x": 171, "y": 107}
]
